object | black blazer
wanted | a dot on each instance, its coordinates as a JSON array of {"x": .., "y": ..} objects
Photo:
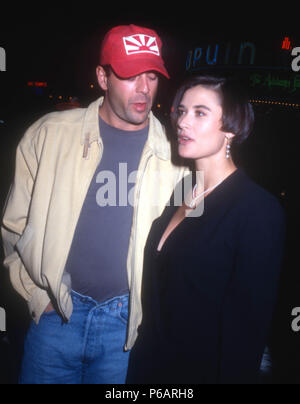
[{"x": 209, "y": 295}]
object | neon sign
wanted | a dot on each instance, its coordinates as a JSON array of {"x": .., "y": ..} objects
[
  {"x": 36, "y": 84},
  {"x": 269, "y": 80},
  {"x": 286, "y": 44},
  {"x": 218, "y": 54}
]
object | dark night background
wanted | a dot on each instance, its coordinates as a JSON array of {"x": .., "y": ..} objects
[{"x": 60, "y": 46}]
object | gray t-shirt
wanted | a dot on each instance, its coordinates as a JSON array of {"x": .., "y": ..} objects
[{"x": 98, "y": 255}]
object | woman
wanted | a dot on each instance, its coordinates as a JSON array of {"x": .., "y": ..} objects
[{"x": 210, "y": 279}]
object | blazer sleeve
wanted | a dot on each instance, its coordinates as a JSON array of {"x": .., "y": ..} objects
[
  {"x": 16, "y": 213},
  {"x": 251, "y": 294}
]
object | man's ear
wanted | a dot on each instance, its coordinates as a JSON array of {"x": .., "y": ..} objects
[{"x": 102, "y": 77}]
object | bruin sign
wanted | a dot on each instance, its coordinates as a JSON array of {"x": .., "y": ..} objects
[{"x": 221, "y": 54}]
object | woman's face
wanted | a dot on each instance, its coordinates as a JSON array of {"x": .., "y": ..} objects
[{"x": 199, "y": 124}]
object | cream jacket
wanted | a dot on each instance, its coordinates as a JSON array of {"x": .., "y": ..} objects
[{"x": 55, "y": 163}]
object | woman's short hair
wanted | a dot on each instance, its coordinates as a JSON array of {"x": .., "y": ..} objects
[{"x": 238, "y": 115}]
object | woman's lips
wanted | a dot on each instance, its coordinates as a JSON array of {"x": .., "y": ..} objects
[{"x": 182, "y": 139}]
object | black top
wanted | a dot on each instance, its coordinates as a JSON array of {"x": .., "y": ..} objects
[{"x": 209, "y": 295}]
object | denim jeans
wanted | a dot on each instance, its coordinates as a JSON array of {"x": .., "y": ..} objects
[{"x": 89, "y": 349}]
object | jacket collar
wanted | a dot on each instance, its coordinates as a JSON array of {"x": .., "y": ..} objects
[{"x": 157, "y": 141}]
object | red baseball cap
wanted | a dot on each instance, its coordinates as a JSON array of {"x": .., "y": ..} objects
[{"x": 131, "y": 50}]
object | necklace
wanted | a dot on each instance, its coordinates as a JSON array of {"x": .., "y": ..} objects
[{"x": 192, "y": 204}]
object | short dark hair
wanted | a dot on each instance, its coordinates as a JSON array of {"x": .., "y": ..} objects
[
  {"x": 108, "y": 69},
  {"x": 238, "y": 115}
]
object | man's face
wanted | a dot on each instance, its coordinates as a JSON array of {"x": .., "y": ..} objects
[{"x": 127, "y": 101}]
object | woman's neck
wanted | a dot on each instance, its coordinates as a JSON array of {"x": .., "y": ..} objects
[{"x": 211, "y": 171}]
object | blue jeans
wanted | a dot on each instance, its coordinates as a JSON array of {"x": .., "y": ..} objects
[{"x": 89, "y": 349}]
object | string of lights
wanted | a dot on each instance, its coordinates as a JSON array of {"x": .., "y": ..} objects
[
  {"x": 284, "y": 104},
  {"x": 91, "y": 86}
]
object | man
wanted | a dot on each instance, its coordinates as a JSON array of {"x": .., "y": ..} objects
[{"x": 69, "y": 230}]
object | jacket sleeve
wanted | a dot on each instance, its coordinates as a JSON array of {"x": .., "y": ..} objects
[
  {"x": 251, "y": 295},
  {"x": 16, "y": 213}
]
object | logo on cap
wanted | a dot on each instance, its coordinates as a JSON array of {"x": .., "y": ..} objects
[{"x": 141, "y": 43}]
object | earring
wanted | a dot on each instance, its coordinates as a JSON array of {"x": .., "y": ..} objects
[{"x": 228, "y": 147}]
